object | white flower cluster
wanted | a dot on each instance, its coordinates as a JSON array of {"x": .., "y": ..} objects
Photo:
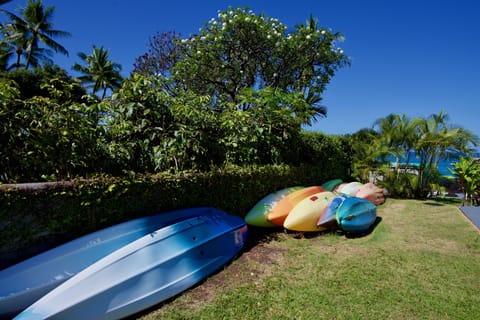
[{"x": 271, "y": 28}]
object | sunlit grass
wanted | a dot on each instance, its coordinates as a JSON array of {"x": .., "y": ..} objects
[{"x": 422, "y": 261}]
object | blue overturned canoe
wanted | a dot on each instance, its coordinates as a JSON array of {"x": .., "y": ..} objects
[
  {"x": 356, "y": 215},
  {"x": 147, "y": 271},
  {"x": 24, "y": 283}
]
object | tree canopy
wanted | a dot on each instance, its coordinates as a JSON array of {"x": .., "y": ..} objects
[
  {"x": 99, "y": 72},
  {"x": 24, "y": 33},
  {"x": 240, "y": 50}
]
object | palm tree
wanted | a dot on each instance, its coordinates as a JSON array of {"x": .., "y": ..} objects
[
  {"x": 14, "y": 42},
  {"x": 5, "y": 54},
  {"x": 431, "y": 138},
  {"x": 436, "y": 140},
  {"x": 99, "y": 73},
  {"x": 33, "y": 27},
  {"x": 397, "y": 132}
]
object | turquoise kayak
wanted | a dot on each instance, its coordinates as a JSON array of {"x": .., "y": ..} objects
[
  {"x": 329, "y": 216},
  {"x": 356, "y": 215}
]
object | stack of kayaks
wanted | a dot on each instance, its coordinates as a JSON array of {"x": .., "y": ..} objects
[
  {"x": 313, "y": 209},
  {"x": 124, "y": 269}
]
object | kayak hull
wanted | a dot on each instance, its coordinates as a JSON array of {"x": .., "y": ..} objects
[
  {"x": 257, "y": 216},
  {"x": 147, "y": 271},
  {"x": 356, "y": 215},
  {"x": 304, "y": 216},
  {"x": 24, "y": 283}
]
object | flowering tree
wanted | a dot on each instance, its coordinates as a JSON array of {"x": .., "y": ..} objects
[
  {"x": 240, "y": 89},
  {"x": 163, "y": 53},
  {"x": 239, "y": 50}
]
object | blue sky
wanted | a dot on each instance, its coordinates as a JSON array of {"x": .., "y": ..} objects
[{"x": 413, "y": 57}]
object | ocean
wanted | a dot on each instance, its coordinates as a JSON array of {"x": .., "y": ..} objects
[{"x": 443, "y": 165}]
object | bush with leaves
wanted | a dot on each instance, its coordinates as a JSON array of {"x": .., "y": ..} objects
[
  {"x": 10, "y": 104},
  {"x": 137, "y": 117},
  {"x": 192, "y": 142},
  {"x": 367, "y": 153},
  {"x": 260, "y": 134},
  {"x": 467, "y": 171},
  {"x": 30, "y": 83},
  {"x": 47, "y": 137}
]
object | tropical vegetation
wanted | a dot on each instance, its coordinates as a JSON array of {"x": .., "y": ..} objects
[
  {"x": 467, "y": 169},
  {"x": 237, "y": 93},
  {"x": 24, "y": 33},
  {"x": 171, "y": 113},
  {"x": 99, "y": 73},
  {"x": 399, "y": 137}
]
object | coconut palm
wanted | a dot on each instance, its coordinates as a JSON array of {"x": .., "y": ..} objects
[
  {"x": 398, "y": 133},
  {"x": 28, "y": 31},
  {"x": 99, "y": 73},
  {"x": 5, "y": 54},
  {"x": 437, "y": 140},
  {"x": 14, "y": 42}
]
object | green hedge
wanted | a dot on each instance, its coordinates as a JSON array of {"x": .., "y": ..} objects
[{"x": 34, "y": 220}]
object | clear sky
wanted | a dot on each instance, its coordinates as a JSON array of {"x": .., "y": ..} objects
[{"x": 413, "y": 57}]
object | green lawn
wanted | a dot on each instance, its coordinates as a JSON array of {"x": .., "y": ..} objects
[{"x": 422, "y": 261}]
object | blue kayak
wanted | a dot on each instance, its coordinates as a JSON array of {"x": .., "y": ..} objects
[
  {"x": 24, "y": 283},
  {"x": 329, "y": 215},
  {"x": 356, "y": 215},
  {"x": 147, "y": 271}
]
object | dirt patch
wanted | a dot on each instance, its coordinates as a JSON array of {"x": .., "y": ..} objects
[{"x": 257, "y": 260}]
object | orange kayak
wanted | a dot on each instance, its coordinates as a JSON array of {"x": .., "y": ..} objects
[{"x": 279, "y": 213}]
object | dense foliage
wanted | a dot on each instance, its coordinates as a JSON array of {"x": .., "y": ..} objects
[
  {"x": 240, "y": 50},
  {"x": 237, "y": 93},
  {"x": 45, "y": 137}
]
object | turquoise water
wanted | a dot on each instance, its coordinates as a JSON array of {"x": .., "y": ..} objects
[{"x": 443, "y": 165}]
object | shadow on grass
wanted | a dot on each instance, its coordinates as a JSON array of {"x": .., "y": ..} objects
[
  {"x": 443, "y": 201},
  {"x": 351, "y": 235},
  {"x": 258, "y": 235}
]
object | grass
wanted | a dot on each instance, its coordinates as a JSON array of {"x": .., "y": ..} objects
[{"x": 422, "y": 261}]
